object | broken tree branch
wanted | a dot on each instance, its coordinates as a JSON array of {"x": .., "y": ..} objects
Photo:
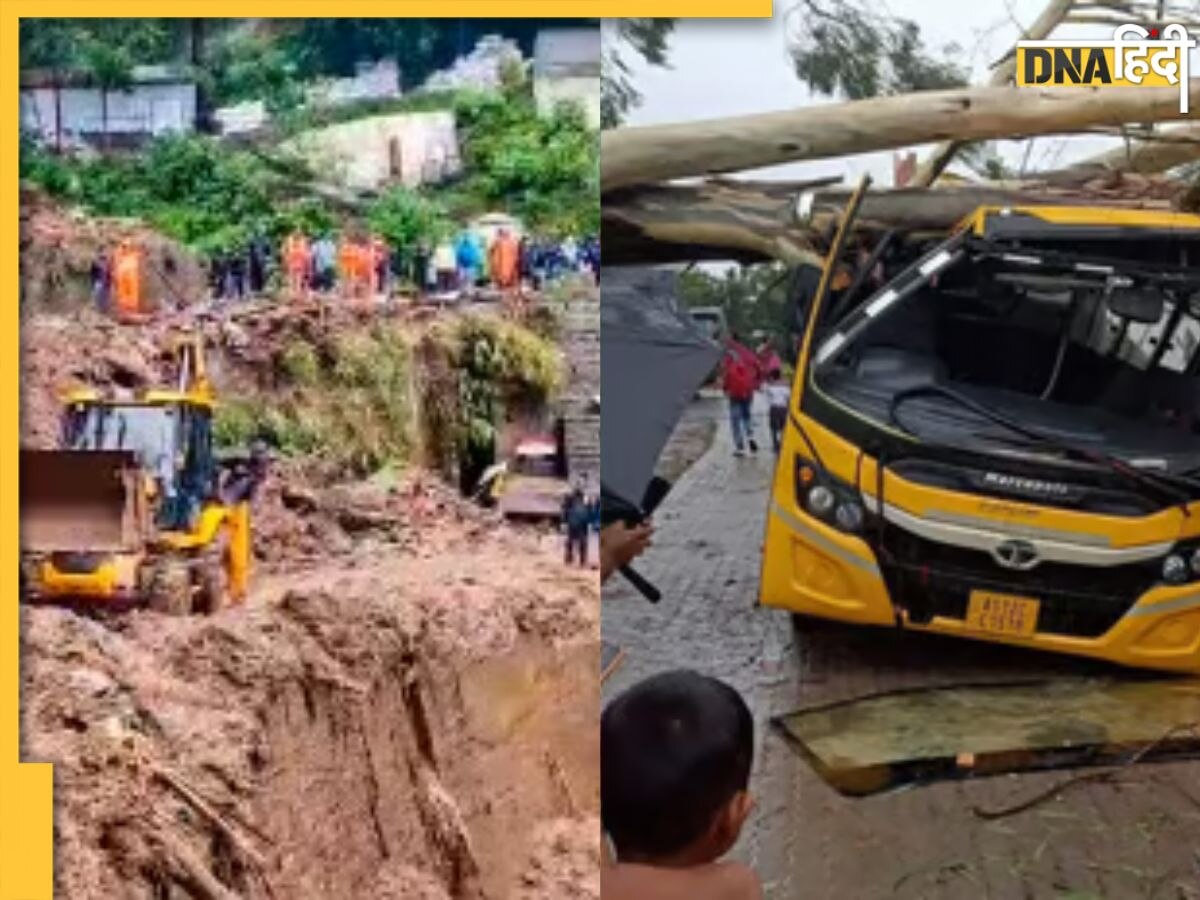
[
  {"x": 654, "y": 153},
  {"x": 749, "y": 221},
  {"x": 1156, "y": 152},
  {"x": 1003, "y": 73}
]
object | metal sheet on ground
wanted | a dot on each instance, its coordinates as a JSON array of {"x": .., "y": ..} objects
[{"x": 883, "y": 741}]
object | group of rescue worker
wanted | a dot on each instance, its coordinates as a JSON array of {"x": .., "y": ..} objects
[
  {"x": 359, "y": 265},
  {"x": 363, "y": 265}
]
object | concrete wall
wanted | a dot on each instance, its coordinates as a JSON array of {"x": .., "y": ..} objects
[
  {"x": 581, "y": 333},
  {"x": 373, "y": 81},
  {"x": 580, "y": 89},
  {"x": 147, "y": 109},
  {"x": 410, "y": 148},
  {"x": 241, "y": 117}
]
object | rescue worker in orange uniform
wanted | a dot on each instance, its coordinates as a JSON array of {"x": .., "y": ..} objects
[
  {"x": 504, "y": 260},
  {"x": 347, "y": 265},
  {"x": 297, "y": 259},
  {"x": 127, "y": 278}
]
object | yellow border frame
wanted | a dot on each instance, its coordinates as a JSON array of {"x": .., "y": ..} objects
[{"x": 26, "y": 790}]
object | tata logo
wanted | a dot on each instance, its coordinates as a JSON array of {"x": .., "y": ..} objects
[
  {"x": 1015, "y": 554},
  {"x": 1135, "y": 57}
]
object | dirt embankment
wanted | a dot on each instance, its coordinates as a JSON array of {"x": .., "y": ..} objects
[
  {"x": 58, "y": 247},
  {"x": 405, "y": 706},
  {"x": 402, "y": 717}
]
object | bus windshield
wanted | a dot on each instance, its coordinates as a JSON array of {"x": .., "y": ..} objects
[{"x": 1077, "y": 344}]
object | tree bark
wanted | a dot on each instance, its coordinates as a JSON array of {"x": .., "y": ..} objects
[
  {"x": 1167, "y": 149},
  {"x": 654, "y": 153},
  {"x": 747, "y": 221},
  {"x": 1002, "y": 74}
]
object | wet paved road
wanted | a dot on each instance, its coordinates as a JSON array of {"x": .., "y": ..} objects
[{"x": 1137, "y": 836}]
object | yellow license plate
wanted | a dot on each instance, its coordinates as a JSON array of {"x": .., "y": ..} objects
[{"x": 1002, "y": 613}]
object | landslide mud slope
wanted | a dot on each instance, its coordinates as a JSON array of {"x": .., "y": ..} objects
[
  {"x": 406, "y": 722},
  {"x": 405, "y": 706}
]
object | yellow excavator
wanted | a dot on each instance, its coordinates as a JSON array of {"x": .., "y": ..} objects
[{"x": 133, "y": 508}]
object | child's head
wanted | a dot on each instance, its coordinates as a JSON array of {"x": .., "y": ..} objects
[
  {"x": 773, "y": 375},
  {"x": 675, "y": 754}
]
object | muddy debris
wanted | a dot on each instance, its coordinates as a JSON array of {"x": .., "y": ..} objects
[
  {"x": 59, "y": 245},
  {"x": 394, "y": 706},
  {"x": 405, "y": 697}
]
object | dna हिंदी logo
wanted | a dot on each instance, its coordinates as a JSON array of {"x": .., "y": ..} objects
[{"x": 1135, "y": 57}]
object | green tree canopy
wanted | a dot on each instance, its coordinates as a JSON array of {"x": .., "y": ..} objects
[
  {"x": 857, "y": 49},
  {"x": 648, "y": 39},
  {"x": 754, "y": 298}
]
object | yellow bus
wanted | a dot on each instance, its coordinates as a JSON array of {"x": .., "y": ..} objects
[{"x": 996, "y": 435}]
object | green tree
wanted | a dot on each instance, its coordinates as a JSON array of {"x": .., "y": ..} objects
[
  {"x": 753, "y": 298},
  {"x": 856, "y": 49},
  {"x": 646, "y": 38},
  {"x": 544, "y": 169},
  {"x": 47, "y": 44},
  {"x": 406, "y": 219},
  {"x": 106, "y": 50}
]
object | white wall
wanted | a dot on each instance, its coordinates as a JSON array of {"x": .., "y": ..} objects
[
  {"x": 581, "y": 89},
  {"x": 146, "y": 109},
  {"x": 377, "y": 81},
  {"x": 359, "y": 154}
]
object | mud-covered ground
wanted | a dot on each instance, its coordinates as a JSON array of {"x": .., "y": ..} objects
[
  {"x": 1132, "y": 835},
  {"x": 404, "y": 707}
]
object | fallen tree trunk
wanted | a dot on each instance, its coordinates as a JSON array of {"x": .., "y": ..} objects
[
  {"x": 1003, "y": 74},
  {"x": 746, "y": 221},
  {"x": 1164, "y": 150},
  {"x": 649, "y": 154}
]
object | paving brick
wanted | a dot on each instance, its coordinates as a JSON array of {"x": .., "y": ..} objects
[{"x": 1133, "y": 838}]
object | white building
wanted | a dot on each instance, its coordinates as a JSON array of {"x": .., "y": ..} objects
[
  {"x": 365, "y": 154},
  {"x": 161, "y": 100},
  {"x": 566, "y": 67},
  {"x": 379, "y": 80}
]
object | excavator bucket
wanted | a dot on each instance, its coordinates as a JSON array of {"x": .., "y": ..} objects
[{"x": 81, "y": 501}]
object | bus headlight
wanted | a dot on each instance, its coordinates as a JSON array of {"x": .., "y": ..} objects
[
  {"x": 821, "y": 501},
  {"x": 849, "y": 516},
  {"x": 828, "y": 498},
  {"x": 1175, "y": 569}
]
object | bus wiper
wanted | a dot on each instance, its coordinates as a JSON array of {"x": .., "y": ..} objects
[{"x": 1180, "y": 488}]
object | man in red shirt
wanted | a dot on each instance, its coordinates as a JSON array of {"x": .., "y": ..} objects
[{"x": 741, "y": 377}]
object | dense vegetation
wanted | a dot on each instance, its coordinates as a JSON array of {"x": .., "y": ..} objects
[
  {"x": 204, "y": 194},
  {"x": 356, "y": 402},
  {"x": 212, "y": 196},
  {"x": 754, "y": 298}
]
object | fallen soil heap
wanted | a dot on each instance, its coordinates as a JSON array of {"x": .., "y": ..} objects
[
  {"x": 59, "y": 245},
  {"x": 404, "y": 707},
  {"x": 407, "y": 716}
]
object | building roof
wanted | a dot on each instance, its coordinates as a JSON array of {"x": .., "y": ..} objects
[
  {"x": 567, "y": 51},
  {"x": 156, "y": 74}
]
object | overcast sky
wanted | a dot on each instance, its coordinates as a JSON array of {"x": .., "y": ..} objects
[{"x": 726, "y": 67}]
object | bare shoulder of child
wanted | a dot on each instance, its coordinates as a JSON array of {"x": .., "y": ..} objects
[{"x": 715, "y": 881}]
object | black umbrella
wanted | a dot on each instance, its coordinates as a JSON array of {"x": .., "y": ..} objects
[{"x": 654, "y": 359}]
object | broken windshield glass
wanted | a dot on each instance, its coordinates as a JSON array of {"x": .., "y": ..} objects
[
  {"x": 1084, "y": 349},
  {"x": 917, "y": 736}
]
